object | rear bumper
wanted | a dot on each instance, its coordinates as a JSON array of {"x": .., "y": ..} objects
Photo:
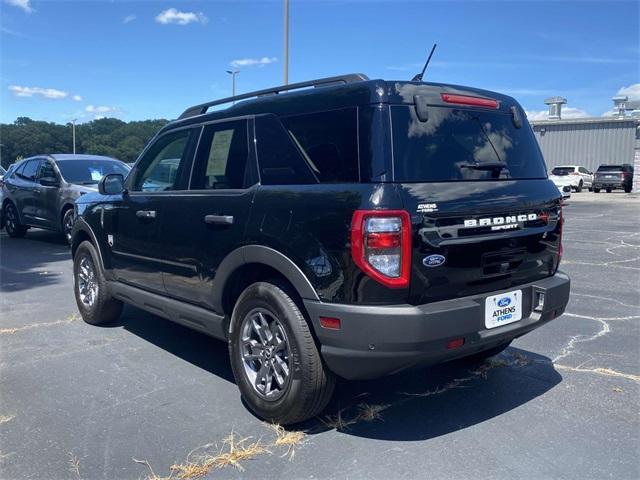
[
  {"x": 374, "y": 341},
  {"x": 609, "y": 184}
]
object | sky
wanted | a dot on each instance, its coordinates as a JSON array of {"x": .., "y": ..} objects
[{"x": 135, "y": 60}]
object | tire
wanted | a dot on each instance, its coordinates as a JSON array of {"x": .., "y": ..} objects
[
  {"x": 627, "y": 189},
  {"x": 95, "y": 303},
  {"x": 67, "y": 224},
  {"x": 608, "y": 190},
  {"x": 281, "y": 398},
  {"x": 591, "y": 189},
  {"x": 14, "y": 228},
  {"x": 579, "y": 187},
  {"x": 484, "y": 355},
  {"x": 596, "y": 190}
]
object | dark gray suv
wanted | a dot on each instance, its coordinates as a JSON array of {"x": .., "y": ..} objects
[{"x": 40, "y": 191}]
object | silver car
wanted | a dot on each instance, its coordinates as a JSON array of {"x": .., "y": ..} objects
[{"x": 40, "y": 191}]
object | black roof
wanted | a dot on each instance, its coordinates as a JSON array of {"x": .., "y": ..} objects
[{"x": 324, "y": 94}]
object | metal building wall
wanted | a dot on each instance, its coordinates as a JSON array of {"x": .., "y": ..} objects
[{"x": 589, "y": 144}]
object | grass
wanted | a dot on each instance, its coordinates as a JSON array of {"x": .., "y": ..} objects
[
  {"x": 74, "y": 465},
  {"x": 10, "y": 331},
  {"x": 232, "y": 453},
  {"x": 289, "y": 439},
  {"x": 370, "y": 413},
  {"x": 6, "y": 418},
  {"x": 338, "y": 421}
]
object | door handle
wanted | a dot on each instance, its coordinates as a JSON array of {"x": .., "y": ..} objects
[
  {"x": 146, "y": 214},
  {"x": 218, "y": 219}
]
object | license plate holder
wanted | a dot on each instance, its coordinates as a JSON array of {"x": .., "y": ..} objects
[{"x": 503, "y": 309}]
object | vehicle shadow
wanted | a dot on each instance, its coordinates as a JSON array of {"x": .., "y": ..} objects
[
  {"x": 410, "y": 406},
  {"x": 26, "y": 262},
  {"x": 428, "y": 403},
  {"x": 196, "y": 348}
]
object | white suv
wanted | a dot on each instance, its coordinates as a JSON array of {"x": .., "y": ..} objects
[{"x": 575, "y": 176}]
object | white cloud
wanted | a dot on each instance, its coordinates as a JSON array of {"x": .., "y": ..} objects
[
  {"x": 632, "y": 91},
  {"x": 19, "y": 91},
  {"x": 100, "y": 109},
  {"x": 77, "y": 98},
  {"x": 129, "y": 18},
  {"x": 23, "y": 4},
  {"x": 252, "y": 62},
  {"x": 171, "y": 15},
  {"x": 567, "y": 113}
]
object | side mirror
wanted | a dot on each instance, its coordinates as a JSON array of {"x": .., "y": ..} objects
[
  {"x": 49, "y": 182},
  {"x": 111, "y": 184}
]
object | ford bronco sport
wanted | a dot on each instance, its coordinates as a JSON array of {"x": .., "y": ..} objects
[{"x": 341, "y": 227}]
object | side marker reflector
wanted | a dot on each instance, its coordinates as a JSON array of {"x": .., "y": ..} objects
[{"x": 330, "y": 323}]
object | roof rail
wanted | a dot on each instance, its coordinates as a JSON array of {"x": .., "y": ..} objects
[{"x": 321, "y": 82}]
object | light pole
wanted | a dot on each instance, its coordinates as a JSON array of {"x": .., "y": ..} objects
[
  {"x": 233, "y": 74},
  {"x": 286, "y": 42},
  {"x": 73, "y": 129}
]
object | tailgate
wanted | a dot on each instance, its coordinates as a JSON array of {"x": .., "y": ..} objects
[{"x": 475, "y": 238}]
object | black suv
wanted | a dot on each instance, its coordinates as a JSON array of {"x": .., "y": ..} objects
[
  {"x": 40, "y": 191},
  {"x": 611, "y": 177},
  {"x": 345, "y": 226}
]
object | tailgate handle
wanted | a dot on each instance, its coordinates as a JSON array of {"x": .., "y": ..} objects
[
  {"x": 146, "y": 214},
  {"x": 218, "y": 219}
]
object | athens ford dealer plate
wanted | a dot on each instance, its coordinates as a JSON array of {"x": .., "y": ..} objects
[{"x": 503, "y": 309}]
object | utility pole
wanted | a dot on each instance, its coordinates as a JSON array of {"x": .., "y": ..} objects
[
  {"x": 73, "y": 129},
  {"x": 233, "y": 74},
  {"x": 286, "y": 42}
]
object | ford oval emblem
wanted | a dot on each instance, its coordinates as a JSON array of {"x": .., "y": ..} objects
[
  {"x": 433, "y": 260},
  {"x": 504, "y": 302}
]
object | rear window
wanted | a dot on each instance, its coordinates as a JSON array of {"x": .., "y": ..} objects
[
  {"x": 562, "y": 171},
  {"x": 453, "y": 140},
  {"x": 328, "y": 141},
  {"x": 610, "y": 168}
]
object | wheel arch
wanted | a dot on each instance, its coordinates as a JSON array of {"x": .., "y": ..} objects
[
  {"x": 81, "y": 232},
  {"x": 254, "y": 263}
]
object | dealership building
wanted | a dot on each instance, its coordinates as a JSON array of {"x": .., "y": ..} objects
[{"x": 590, "y": 142}]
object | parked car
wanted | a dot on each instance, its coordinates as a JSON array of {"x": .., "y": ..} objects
[
  {"x": 40, "y": 191},
  {"x": 354, "y": 229},
  {"x": 575, "y": 176},
  {"x": 612, "y": 177},
  {"x": 565, "y": 192},
  {"x": 6, "y": 173}
]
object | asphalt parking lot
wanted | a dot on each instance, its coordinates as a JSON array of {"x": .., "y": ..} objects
[{"x": 78, "y": 401}]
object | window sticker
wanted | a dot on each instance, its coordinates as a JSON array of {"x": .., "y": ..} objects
[
  {"x": 219, "y": 153},
  {"x": 96, "y": 175}
]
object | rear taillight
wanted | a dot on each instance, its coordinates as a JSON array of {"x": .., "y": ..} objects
[
  {"x": 468, "y": 100},
  {"x": 381, "y": 245}
]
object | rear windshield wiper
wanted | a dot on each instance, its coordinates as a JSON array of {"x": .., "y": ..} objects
[{"x": 493, "y": 166}]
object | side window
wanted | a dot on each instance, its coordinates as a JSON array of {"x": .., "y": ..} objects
[
  {"x": 279, "y": 160},
  {"x": 329, "y": 143},
  {"x": 162, "y": 165},
  {"x": 47, "y": 170},
  {"x": 221, "y": 161},
  {"x": 30, "y": 170},
  {"x": 17, "y": 172}
]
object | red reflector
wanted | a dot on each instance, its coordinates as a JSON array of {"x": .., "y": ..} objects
[
  {"x": 458, "y": 342},
  {"x": 383, "y": 240},
  {"x": 331, "y": 323},
  {"x": 466, "y": 100}
]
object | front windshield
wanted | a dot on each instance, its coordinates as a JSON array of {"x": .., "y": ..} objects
[{"x": 89, "y": 172}]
